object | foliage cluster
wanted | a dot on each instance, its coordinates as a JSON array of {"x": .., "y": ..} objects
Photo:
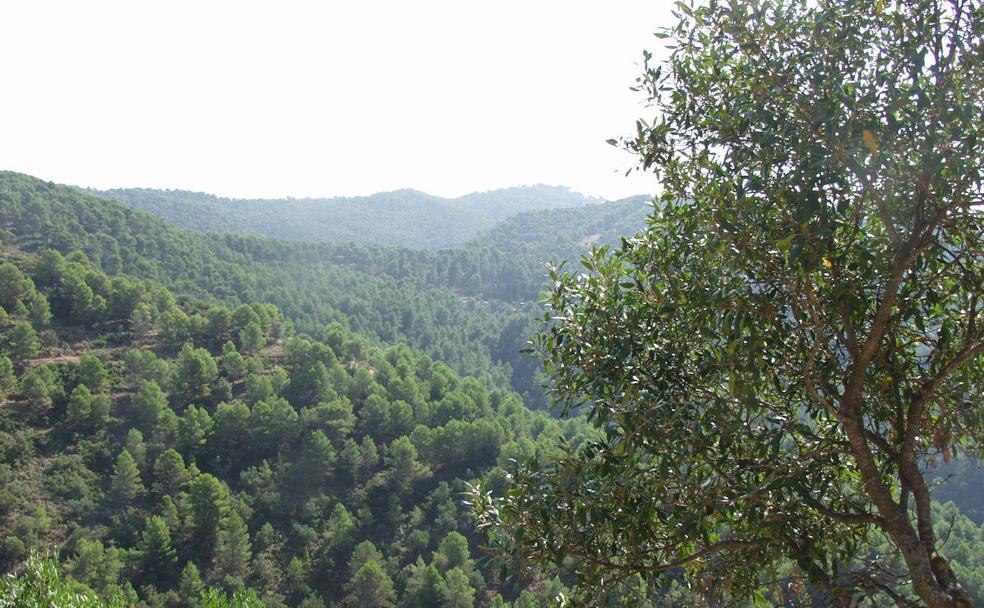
[{"x": 780, "y": 357}]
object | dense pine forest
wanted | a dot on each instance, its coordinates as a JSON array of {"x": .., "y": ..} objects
[
  {"x": 470, "y": 308},
  {"x": 159, "y": 444},
  {"x": 196, "y": 419}
]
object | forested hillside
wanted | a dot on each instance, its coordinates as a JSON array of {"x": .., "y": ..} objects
[
  {"x": 161, "y": 445},
  {"x": 311, "y": 289},
  {"x": 471, "y": 307},
  {"x": 252, "y": 424},
  {"x": 508, "y": 262},
  {"x": 405, "y": 217}
]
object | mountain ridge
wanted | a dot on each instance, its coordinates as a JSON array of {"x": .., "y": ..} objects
[
  {"x": 406, "y": 217},
  {"x": 341, "y": 197}
]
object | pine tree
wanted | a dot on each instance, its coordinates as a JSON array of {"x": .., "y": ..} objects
[
  {"x": 459, "y": 592},
  {"x": 363, "y": 552},
  {"x": 92, "y": 372},
  {"x": 453, "y": 553},
  {"x": 13, "y": 285},
  {"x": 79, "y": 406},
  {"x": 403, "y": 466},
  {"x": 251, "y": 338},
  {"x": 38, "y": 310},
  {"x": 425, "y": 587},
  {"x": 38, "y": 388},
  {"x": 99, "y": 411},
  {"x": 195, "y": 370},
  {"x": 8, "y": 380},
  {"x": 370, "y": 587},
  {"x": 232, "y": 549},
  {"x": 208, "y": 501},
  {"x": 190, "y": 586},
  {"x": 194, "y": 428},
  {"x": 232, "y": 362},
  {"x": 170, "y": 474},
  {"x": 23, "y": 342},
  {"x": 125, "y": 485},
  {"x": 142, "y": 321},
  {"x": 340, "y": 529},
  {"x": 157, "y": 557},
  {"x": 169, "y": 511},
  {"x": 148, "y": 404}
]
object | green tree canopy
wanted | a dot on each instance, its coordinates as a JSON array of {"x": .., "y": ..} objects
[
  {"x": 149, "y": 404},
  {"x": 156, "y": 554},
  {"x": 79, "y": 405},
  {"x": 194, "y": 372},
  {"x": 92, "y": 372},
  {"x": 233, "y": 549},
  {"x": 778, "y": 356},
  {"x": 8, "y": 379},
  {"x": 125, "y": 484},
  {"x": 13, "y": 286},
  {"x": 370, "y": 587},
  {"x": 42, "y": 584},
  {"x": 23, "y": 342},
  {"x": 170, "y": 474},
  {"x": 208, "y": 503}
]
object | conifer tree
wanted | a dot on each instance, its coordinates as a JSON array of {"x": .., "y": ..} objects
[
  {"x": 190, "y": 586},
  {"x": 425, "y": 587},
  {"x": 92, "y": 372},
  {"x": 232, "y": 362},
  {"x": 13, "y": 285},
  {"x": 208, "y": 503},
  {"x": 157, "y": 556},
  {"x": 149, "y": 403},
  {"x": 99, "y": 411},
  {"x": 170, "y": 474},
  {"x": 194, "y": 372},
  {"x": 458, "y": 591},
  {"x": 79, "y": 406},
  {"x": 125, "y": 484},
  {"x": 251, "y": 338},
  {"x": 233, "y": 549},
  {"x": 38, "y": 387},
  {"x": 38, "y": 310},
  {"x": 370, "y": 587},
  {"x": 23, "y": 342},
  {"x": 8, "y": 379}
]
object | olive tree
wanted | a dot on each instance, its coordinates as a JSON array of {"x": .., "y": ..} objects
[{"x": 796, "y": 335}]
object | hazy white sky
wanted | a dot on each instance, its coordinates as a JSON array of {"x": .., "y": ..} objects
[{"x": 263, "y": 99}]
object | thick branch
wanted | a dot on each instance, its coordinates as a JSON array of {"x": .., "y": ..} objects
[{"x": 883, "y": 212}]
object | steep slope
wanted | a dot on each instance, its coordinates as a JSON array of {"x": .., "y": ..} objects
[
  {"x": 557, "y": 231},
  {"x": 405, "y": 217},
  {"x": 159, "y": 445},
  {"x": 470, "y": 307},
  {"x": 506, "y": 263},
  {"x": 311, "y": 290}
]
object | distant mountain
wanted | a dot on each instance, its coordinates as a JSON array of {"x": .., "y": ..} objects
[
  {"x": 564, "y": 233},
  {"x": 405, "y": 218},
  {"x": 507, "y": 262}
]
